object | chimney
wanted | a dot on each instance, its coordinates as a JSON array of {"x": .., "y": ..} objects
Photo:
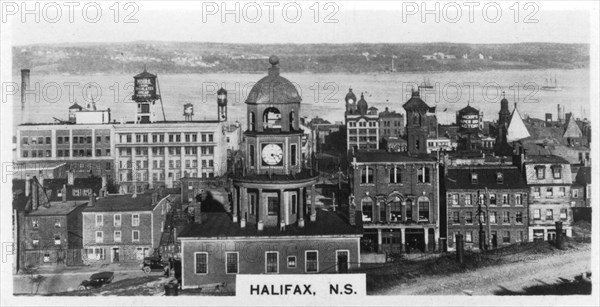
[
  {"x": 70, "y": 177},
  {"x": 197, "y": 207},
  {"x": 64, "y": 193},
  {"x": 560, "y": 114},
  {"x": 24, "y": 87},
  {"x": 27, "y": 185},
  {"x": 568, "y": 117},
  {"x": 35, "y": 202},
  {"x": 351, "y": 210},
  {"x": 92, "y": 200}
]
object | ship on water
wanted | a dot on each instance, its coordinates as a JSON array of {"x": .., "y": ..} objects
[
  {"x": 426, "y": 84},
  {"x": 551, "y": 85}
]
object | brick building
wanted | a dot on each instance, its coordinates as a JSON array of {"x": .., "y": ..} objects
[
  {"x": 487, "y": 198},
  {"x": 391, "y": 124},
  {"x": 398, "y": 195},
  {"x": 124, "y": 228}
]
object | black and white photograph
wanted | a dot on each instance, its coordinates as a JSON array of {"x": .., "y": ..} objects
[{"x": 324, "y": 153}]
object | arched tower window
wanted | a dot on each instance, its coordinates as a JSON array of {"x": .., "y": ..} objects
[
  {"x": 272, "y": 118},
  {"x": 251, "y": 122},
  {"x": 292, "y": 119}
]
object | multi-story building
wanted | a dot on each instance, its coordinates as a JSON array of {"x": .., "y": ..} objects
[
  {"x": 421, "y": 124},
  {"x": 487, "y": 204},
  {"x": 362, "y": 124},
  {"x": 273, "y": 207},
  {"x": 549, "y": 179},
  {"x": 398, "y": 196},
  {"x": 391, "y": 124},
  {"x": 136, "y": 155},
  {"x": 123, "y": 228}
]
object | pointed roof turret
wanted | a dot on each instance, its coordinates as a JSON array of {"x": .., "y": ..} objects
[
  {"x": 516, "y": 127},
  {"x": 362, "y": 104},
  {"x": 572, "y": 130},
  {"x": 350, "y": 96}
]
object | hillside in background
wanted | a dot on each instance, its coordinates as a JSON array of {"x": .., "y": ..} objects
[{"x": 196, "y": 57}]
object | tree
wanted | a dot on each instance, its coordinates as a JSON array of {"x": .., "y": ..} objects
[{"x": 35, "y": 280}]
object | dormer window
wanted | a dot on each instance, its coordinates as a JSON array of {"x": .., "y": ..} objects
[
  {"x": 35, "y": 223},
  {"x": 557, "y": 171},
  {"x": 474, "y": 178},
  {"x": 540, "y": 171},
  {"x": 500, "y": 178}
]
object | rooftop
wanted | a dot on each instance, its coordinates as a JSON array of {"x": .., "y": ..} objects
[
  {"x": 57, "y": 208},
  {"x": 218, "y": 225},
  {"x": 545, "y": 159},
  {"x": 116, "y": 203},
  {"x": 487, "y": 177},
  {"x": 384, "y": 156},
  {"x": 584, "y": 175}
]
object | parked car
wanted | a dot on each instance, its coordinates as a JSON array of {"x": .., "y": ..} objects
[
  {"x": 154, "y": 264},
  {"x": 97, "y": 280}
]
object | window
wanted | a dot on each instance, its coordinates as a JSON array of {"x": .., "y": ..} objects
[
  {"x": 456, "y": 217},
  {"x": 56, "y": 239},
  {"x": 312, "y": 261},
  {"x": 505, "y": 199},
  {"x": 520, "y": 236},
  {"x": 423, "y": 209},
  {"x": 294, "y": 202},
  {"x": 561, "y": 191},
  {"x": 519, "y": 217},
  {"x": 556, "y": 172},
  {"x": 575, "y": 193},
  {"x": 563, "y": 214},
  {"x": 500, "y": 178},
  {"x": 468, "y": 200},
  {"x": 469, "y": 237},
  {"x": 57, "y": 223},
  {"x": 549, "y": 215},
  {"x": 117, "y": 220},
  {"x": 493, "y": 199},
  {"x": 25, "y": 140},
  {"x": 366, "y": 175},
  {"x": 291, "y": 262},
  {"x": 537, "y": 191},
  {"x": 493, "y": 219},
  {"x": 35, "y": 239},
  {"x": 469, "y": 217},
  {"x": 540, "y": 171},
  {"x": 454, "y": 198},
  {"x": 251, "y": 155},
  {"x": 99, "y": 237},
  {"x": 482, "y": 217},
  {"x": 293, "y": 152},
  {"x": 537, "y": 214},
  {"x": 231, "y": 263},
  {"x": 367, "y": 209},
  {"x": 135, "y": 236},
  {"x": 395, "y": 175},
  {"x": 506, "y": 217},
  {"x": 395, "y": 210},
  {"x": 423, "y": 175},
  {"x": 99, "y": 220},
  {"x": 474, "y": 178},
  {"x": 506, "y": 237},
  {"x": 549, "y": 192},
  {"x": 117, "y": 236},
  {"x": 518, "y": 199},
  {"x": 272, "y": 262},
  {"x": 409, "y": 209},
  {"x": 35, "y": 223},
  {"x": 201, "y": 263},
  {"x": 135, "y": 219}
]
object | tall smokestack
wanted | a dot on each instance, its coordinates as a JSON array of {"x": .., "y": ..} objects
[
  {"x": 24, "y": 87},
  {"x": 560, "y": 114}
]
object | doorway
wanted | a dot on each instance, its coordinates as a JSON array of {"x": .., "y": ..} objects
[
  {"x": 115, "y": 254},
  {"x": 342, "y": 261}
]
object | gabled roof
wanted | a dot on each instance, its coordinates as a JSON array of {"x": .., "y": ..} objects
[
  {"x": 144, "y": 74},
  {"x": 75, "y": 106},
  {"x": 416, "y": 103},
  {"x": 545, "y": 159},
  {"x": 468, "y": 110},
  {"x": 116, "y": 203},
  {"x": 487, "y": 177}
]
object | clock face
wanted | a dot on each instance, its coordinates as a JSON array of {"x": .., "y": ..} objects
[
  {"x": 350, "y": 101},
  {"x": 272, "y": 154}
]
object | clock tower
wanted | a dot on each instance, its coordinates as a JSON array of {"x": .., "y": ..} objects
[{"x": 271, "y": 187}]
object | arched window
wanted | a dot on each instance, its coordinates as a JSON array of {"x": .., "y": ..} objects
[
  {"x": 367, "y": 209},
  {"x": 251, "y": 121},
  {"x": 272, "y": 118},
  {"x": 423, "y": 208},
  {"x": 409, "y": 210},
  {"x": 292, "y": 121},
  {"x": 395, "y": 209}
]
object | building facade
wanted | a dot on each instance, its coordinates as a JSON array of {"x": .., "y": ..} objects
[
  {"x": 487, "y": 204},
  {"x": 398, "y": 196},
  {"x": 123, "y": 228},
  {"x": 362, "y": 124},
  {"x": 391, "y": 124},
  {"x": 549, "y": 180}
]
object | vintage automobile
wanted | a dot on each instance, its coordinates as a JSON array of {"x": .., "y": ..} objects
[
  {"x": 97, "y": 280},
  {"x": 154, "y": 264}
]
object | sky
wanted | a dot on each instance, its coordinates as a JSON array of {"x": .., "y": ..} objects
[{"x": 354, "y": 22}]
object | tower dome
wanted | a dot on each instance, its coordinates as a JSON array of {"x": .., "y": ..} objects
[
  {"x": 362, "y": 104},
  {"x": 273, "y": 89}
]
